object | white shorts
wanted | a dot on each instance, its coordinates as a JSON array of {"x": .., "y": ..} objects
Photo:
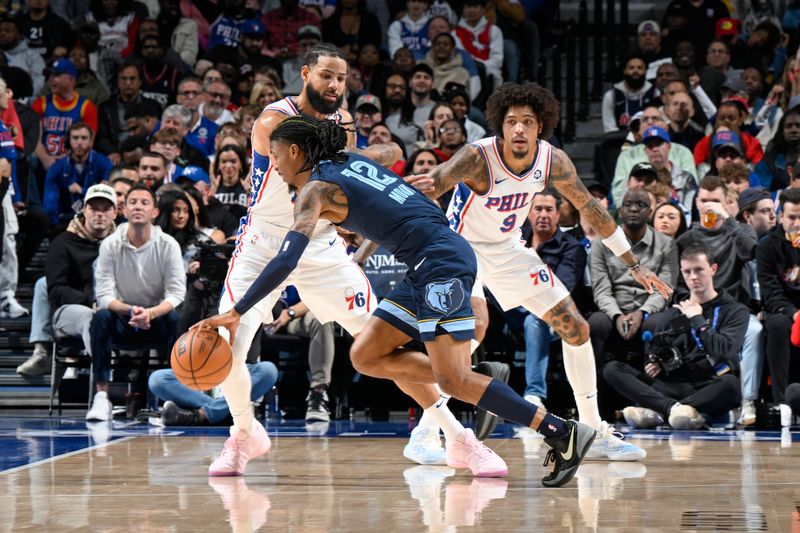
[
  {"x": 516, "y": 275},
  {"x": 332, "y": 286}
]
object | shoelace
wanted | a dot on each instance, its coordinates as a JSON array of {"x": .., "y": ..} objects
[{"x": 230, "y": 447}]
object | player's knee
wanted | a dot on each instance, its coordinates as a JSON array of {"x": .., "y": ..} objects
[
  {"x": 362, "y": 358},
  {"x": 452, "y": 382}
]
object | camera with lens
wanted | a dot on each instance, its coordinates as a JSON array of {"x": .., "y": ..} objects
[
  {"x": 213, "y": 260},
  {"x": 664, "y": 347}
]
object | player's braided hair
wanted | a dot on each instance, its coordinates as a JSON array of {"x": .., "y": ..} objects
[{"x": 319, "y": 139}]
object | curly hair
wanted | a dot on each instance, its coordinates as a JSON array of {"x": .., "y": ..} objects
[
  {"x": 319, "y": 139},
  {"x": 544, "y": 105}
]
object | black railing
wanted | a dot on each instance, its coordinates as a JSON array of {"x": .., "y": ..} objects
[{"x": 571, "y": 57}]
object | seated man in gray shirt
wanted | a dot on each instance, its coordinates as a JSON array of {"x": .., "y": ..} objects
[
  {"x": 139, "y": 281},
  {"x": 623, "y": 304}
]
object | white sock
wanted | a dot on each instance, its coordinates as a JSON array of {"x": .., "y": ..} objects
[
  {"x": 580, "y": 368},
  {"x": 442, "y": 417},
  {"x": 427, "y": 418}
]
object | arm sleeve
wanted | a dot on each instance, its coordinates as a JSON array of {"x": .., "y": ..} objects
[
  {"x": 275, "y": 272},
  {"x": 601, "y": 283},
  {"x": 175, "y": 275}
]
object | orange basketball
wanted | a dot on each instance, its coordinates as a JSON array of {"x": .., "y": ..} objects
[{"x": 201, "y": 359}]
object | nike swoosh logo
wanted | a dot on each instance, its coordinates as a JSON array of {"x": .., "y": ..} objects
[
  {"x": 420, "y": 263},
  {"x": 498, "y": 182},
  {"x": 332, "y": 241},
  {"x": 568, "y": 455}
]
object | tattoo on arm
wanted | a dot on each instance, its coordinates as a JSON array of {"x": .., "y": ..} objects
[
  {"x": 315, "y": 199},
  {"x": 385, "y": 155},
  {"x": 467, "y": 165},
  {"x": 564, "y": 178}
]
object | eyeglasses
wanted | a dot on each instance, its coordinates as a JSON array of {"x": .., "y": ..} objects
[
  {"x": 221, "y": 96},
  {"x": 191, "y": 94},
  {"x": 449, "y": 130},
  {"x": 638, "y": 205}
]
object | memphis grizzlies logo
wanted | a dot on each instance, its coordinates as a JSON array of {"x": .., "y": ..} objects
[{"x": 445, "y": 296}]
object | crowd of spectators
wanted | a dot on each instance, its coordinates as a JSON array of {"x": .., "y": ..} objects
[{"x": 698, "y": 161}]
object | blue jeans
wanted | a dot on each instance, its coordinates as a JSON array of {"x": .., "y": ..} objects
[
  {"x": 109, "y": 327},
  {"x": 537, "y": 355},
  {"x": 41, "y": 327},
  {"x": 166, "y": 386},
  {"x": 752, "y": 358}
]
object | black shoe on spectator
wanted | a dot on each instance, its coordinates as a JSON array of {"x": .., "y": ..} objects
[
  {"x": 317, "y": 401},
  {"x": 567, "y": 453},
  {"x": 485, "y": 422},
  {"x": 172, "y": 415}
]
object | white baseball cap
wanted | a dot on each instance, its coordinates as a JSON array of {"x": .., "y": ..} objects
[{"x": 101, "y": 190}]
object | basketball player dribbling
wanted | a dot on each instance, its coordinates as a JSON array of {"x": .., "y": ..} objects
[
  {"x": 329, "y": 282},
  {"x": 353, "y": 191},
  {"x": 496, "y": 179}
]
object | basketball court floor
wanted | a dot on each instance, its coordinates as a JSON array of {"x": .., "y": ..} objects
[{"x": 58, "y": 474}]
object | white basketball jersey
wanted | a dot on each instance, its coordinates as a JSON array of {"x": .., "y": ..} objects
[
  {"x": 270, "y": 199},
  {"x": 498, "y": 215}
]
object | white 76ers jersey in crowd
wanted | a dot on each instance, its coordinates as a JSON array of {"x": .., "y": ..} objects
[
  {"x": 497, "y": 215},
  {"x": 270, "y": 199}
]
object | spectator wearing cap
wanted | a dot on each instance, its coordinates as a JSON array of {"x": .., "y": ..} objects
[
  {"x": 682, "y": 129},
  {"x": 307, "y": 36},
  {"x": 70, "y": 177},
  {"x": 421, "y": 84},
  {"x": 679, "y": 155},
  {"x": 641, "y": 176},
  {"x": 18, "y": 54},
  {"x": 446, "y": 63},
  {"x": 771, "y": 172},
  {"x": 700, "y": 18},
  {"x": 181, "y": 30},
  {"x": 283, "y": 26},
  {"x": 623, "y": 305},
  {"x": 657, "y": 145},
  {"x": 368, "y": 113},
  {"x": 411, "y": 31},
  {"x": 112, "y": 130},
  {"x": 68, "y": 285},
  {"x": 227, "y": 29},
  {"x": 44, "y": 31},
  {"x": 730, "y": 117},
  {"x": 60, "y": 110},
  {"x": 482, "y": 39},
  {"x": 757, "y": 209},
  {"x": 628, "y": 96},
  {"x": 251, "y": 45},
  {"x": 648, "y": 40}
]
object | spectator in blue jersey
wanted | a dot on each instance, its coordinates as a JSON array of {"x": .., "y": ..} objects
[
  {"x": 11, "y": 198},
  {"x": 111, "y": 116},
  {"x": 180, "y": 118},
  {"x": 227, "y": 29},
  {"x": 628, "y": 96},
  {"x": 71, "y": 176},
  {"x": 411, "y": 31},
  {"x": 567, "y": 259},
  {"x": 201, "y": 129},
  {"x": 368, "y": 113}
]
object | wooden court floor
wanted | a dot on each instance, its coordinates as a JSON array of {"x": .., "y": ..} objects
[{"x": 704, "y": 481}]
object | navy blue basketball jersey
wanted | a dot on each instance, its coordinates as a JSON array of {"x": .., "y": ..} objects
[{"x": 382, "y": 207}]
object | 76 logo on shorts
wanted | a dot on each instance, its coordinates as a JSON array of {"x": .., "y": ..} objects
[
  {"x": 354, "y": 299},
  {"x": 541, "y": 275}
]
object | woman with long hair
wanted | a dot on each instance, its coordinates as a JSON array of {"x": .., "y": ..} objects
[
  {"x": 229, "y": 182},
  {"x": 669, "y": 219}
]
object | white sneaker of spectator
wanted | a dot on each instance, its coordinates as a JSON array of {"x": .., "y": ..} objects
[
  {"x": 10, "y": 307},
  {"x": 101, "y": 408}
]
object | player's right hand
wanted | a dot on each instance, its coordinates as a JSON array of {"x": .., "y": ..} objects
[
  {"x": 228, "y": 320},
  {"x": 422, "y": 182}
]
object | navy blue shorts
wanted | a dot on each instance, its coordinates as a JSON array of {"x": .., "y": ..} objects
[{"x": 433, "y": 298}]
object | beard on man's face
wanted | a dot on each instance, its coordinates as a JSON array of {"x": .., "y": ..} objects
[{"x": 319, "y": 103}]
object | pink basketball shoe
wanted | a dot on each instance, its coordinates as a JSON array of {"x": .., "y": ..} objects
[{"x": 238, "y": 451}]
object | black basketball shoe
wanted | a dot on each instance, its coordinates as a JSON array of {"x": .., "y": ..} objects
[
  {"x": 172, "y": 415},
  {"x": 567, "y": 453},
  {"x": 485, "y": 422}
]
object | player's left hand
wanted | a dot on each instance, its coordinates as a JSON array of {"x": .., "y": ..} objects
[
  {"x": 650, "y": 281},
  {"x": 422, "y": 182},
  {"x": 228, "y": 320}
]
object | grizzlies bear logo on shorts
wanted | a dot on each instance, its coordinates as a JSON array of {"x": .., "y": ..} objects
[{"x": 445, "y": 296}]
